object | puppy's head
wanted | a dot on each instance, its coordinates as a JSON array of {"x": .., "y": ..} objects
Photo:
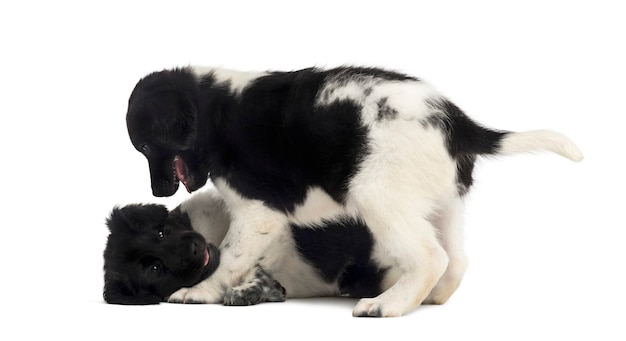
[
  {"x": 151, "y": 253},
  {"x": 162, "y": 122}
]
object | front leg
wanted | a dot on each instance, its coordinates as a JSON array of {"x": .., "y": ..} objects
[{"x": 253, "y": 228}]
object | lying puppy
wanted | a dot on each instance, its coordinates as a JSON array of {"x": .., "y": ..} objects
[
  {"x": 311, "y": 145},
  {"x": 151, "y": 253}
]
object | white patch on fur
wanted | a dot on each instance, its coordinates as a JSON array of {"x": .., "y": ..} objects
[
  {"x": 207, "y": 214},
  {"x": 334, "y": 91},
  {"x": 236, "y": 80},
  {"x": 318, "y": 206},
  {"x": 409, "y": 99}
]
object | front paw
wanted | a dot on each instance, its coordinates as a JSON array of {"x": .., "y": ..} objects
[
  {"x": 375, "y": 307},
  {"x": 195, "y": 295}
]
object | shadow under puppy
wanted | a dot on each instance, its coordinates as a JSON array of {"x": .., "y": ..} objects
[{"x": 151, "y": 253}]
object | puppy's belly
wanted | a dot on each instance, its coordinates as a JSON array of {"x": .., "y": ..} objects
[{"x": 317, "y": 207}]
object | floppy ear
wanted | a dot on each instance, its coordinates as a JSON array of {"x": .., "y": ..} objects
[
  {"x": 176, "y": 125},
  {"x": 136, "y": 217},
  {"x": 117, "y": 290},
  {"x": 163, "y": 107}
]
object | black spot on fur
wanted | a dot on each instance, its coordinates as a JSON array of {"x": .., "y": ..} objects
[
  {"x": 464, "y": 135},
  {"x": 341, "y": 251},
  {"x": 349, "y": 73},
  {"x": 465, "y": 138},
  {"x": 275, "y": 143},
  {"x": 465, "y": 167},
  {"x": 385, "y": 112}
]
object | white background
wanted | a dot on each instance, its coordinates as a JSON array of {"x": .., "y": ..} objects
[{"x": 545, "y": 236}]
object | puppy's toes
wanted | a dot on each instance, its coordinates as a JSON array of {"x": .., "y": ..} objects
[
  {"x": 374, "y": 307},
  {"x": 367, "y": 309},
  {"x": 243, "y": 296},
  {"x": 192, "y": 296},
  {"x": 198, "y": 295},
  {"x": 178, "y": 296},
  {"x": 276, "y": 293}
]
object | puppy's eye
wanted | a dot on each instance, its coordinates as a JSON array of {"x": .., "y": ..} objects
[
  {"x": 144, "y": 148},
  {"x": 161, "y": 234},
  {"x": 155, "y": 268}
]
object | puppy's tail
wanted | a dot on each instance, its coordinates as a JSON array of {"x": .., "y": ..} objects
[
  {"x": 536, "y": 140},
  {"x": 466, "y": 137}
]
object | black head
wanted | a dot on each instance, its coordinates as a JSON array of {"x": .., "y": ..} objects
[
  {"x": 151, "y": 253},
  {"x": 162, "y": 122}
]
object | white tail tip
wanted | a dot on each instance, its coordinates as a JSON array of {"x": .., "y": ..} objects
[{"x": 534, "y": 140}]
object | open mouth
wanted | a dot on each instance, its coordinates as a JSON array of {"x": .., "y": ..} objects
[
  {"x": 181, "y": 172},
  {"x": 211, "y": 261},
  {"x": 207, "y": 257}
]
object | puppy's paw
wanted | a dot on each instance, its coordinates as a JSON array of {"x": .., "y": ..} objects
[
  {"x": 243, "y": 296},
  {"x": 178, "y": 296},
  {"x": 276, "y": 293},
  {"x": 195, "y": 295},
  {"x": 250, "y": 294},
  {"x": 374, "y": 307}
]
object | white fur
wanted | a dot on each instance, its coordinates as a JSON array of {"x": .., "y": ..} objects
[
  {"x": 543, "y": 140},
  {"x": 207, "y": 214}
]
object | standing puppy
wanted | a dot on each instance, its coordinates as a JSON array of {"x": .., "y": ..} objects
[{"x": 305, "y": 146}]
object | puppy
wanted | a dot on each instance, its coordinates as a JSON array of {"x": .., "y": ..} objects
[
  {"x": 311, "y": 145},
  {"x": 151, "y": 253}
]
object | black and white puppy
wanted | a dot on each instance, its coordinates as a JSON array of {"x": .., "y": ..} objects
[
  {"x": 305, "y": 146},
  {"x": 151, "y": 253}
]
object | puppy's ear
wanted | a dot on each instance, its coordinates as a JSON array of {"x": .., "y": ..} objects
[
  {"x": 137, "y": 217},
  {"x": 118, "y": 290},
  {"x": 176, "y": 126},
  {"x": 164, "y": 108}
]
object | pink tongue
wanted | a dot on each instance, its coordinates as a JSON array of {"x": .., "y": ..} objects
[
  {"x": 179, "y": 167},
  {"x": 206, "y": 257}
]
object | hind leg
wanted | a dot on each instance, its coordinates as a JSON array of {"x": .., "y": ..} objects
[
  {"x": 398, "y": 187},
  {"x": 410, "y": 241},
  {"x": 259, "y": 287},
  {"x": 449, "y": 224}
]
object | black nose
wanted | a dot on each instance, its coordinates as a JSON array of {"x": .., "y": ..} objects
[
  {"x": 196, "y": 248},
  {"x": 192, "y": 246}
]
